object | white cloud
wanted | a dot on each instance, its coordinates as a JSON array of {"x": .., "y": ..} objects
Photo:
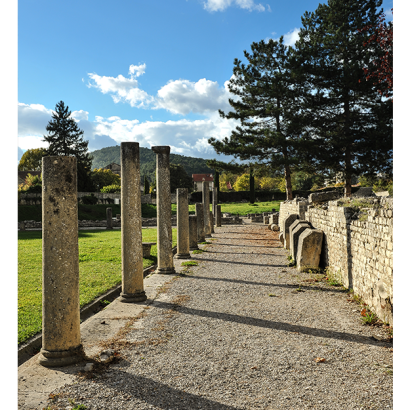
[
  {"x": 33, "y": 119},
  {"x": 221, "y": 5},
  {"x": 123, "y": 89},
  {"x": 185, "y": 137},
  {"x": 289, "y": 39},
  {"x": 137, "y": 70},
  {"x": 183, "y": 97},
  {"x": 79, "y": 115}
]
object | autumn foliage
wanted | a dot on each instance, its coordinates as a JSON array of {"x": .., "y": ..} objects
[{"x": 381, "y": 70}]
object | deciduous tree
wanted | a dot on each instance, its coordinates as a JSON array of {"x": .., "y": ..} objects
[{"x": 32, "y": 159}]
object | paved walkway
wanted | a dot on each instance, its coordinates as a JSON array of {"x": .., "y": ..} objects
[{"x": 241, "y": 330}]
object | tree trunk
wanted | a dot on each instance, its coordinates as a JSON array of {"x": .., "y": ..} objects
[
  {"x": 251, "y": 187},
  {"x": 289, "y": 194},
  {"x": 348, "y": 173}
]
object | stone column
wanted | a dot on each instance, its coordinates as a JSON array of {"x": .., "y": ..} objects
[
  {"x": 193, "y": 233},
  {"x": 61, "y": 342},
  {"x": 182, "y": 224},
  {"x": 199, "y": 212},
  {"x": 218, "y": 216},
  {"x": 205, "y": 203},
  {"x": 109, "y": 218},
  {"x": 214, "y": 201},
  {"x": 131, "y": 225},
  {"x": 211, "y": 218},
  {"x": 164, "y": 226}
]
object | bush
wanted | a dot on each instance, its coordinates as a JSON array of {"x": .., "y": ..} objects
[
  {"x": 111, "y": 189},
  {"x": 89, "y": 199},
  {"x": 31, "y": 185}
]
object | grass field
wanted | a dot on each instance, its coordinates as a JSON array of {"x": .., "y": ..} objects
[
  {"x": 100, "y": 270},
  {"x": 98, "y": 212}
]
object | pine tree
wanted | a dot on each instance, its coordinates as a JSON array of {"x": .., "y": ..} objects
[
  {"x": 267, "y": 109},
  {"x": 349, "y": 124},
  {"x": 65, "y": 138}
]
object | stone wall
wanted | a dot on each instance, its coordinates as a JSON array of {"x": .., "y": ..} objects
[
  {"x": 357, "y": 247},
  {"x": 117, "y": 223}
]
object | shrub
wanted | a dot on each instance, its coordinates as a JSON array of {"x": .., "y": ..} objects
[
  {"x": 89, "y": 199},
  {"x": 32, "y": 184},
  {"x": 111, "y": 189}
]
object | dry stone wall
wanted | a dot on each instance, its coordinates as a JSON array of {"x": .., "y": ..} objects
[{"x": 357, "y": 247}]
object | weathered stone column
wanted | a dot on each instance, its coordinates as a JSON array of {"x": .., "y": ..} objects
[
  {"x": 193, "y": 233},
  {"x": 211, "y": 218},
  {"x": 109, "y": 218},
  {"x": 199, "y": 212},
  {"x": 131, "y": 225},
  {"x": 164, "y": 226},
  {"x": 61, "y": 343},
  {"x": 182, "y": 224},
  {"x": 214, "y": 201},
  {"x": 218, "y": 216},
  {"x": 205, "y": 203}
]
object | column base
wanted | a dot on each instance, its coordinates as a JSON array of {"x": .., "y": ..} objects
[
  {"x": 194, "y": 248},
  {"x": 59, "y": 358},
  {"x": 132, "y": 297},
  {"x": 208, "y": 235},
  {"x": 166, "y": 270},
  {"x": 182, "y": 256}
]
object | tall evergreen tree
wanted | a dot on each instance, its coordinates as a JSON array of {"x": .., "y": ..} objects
[
  {"x": 349, "y": 124},
  {"x": 65, "y": 138},
  {"x": 267, "y": 109}
]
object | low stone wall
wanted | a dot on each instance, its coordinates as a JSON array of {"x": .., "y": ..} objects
[
  {"x": 35, "y": 199},
  {"x": 117, "y": 223},
  {"x": 357, "y": 247}
]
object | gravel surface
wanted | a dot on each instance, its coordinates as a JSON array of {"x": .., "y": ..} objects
[{"x": 242, "y": 330}]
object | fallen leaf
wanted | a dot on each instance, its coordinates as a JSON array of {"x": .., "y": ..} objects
[
  {"x": 363, "y": 312},
  {"x": 320, "y": 360},
  {"x": 254, "y": 367}
]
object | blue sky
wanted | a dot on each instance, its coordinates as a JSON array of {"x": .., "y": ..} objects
[{"x": 153, "y": 71}]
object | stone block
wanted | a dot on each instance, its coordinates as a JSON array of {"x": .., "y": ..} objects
[
  {"x": 323, "y": 196},
  {"x": 286, "y": 224},
  {"x": 309, "y": 249},
  {"x": 294, "y": 233}
]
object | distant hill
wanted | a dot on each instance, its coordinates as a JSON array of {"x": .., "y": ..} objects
[{"x": 105, "y": 156}]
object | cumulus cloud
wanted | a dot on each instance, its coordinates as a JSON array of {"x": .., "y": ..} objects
[
  {"x": 183, "y": 97},
  {"x": 123, "y": 89},
  {"x": 136, "y": 70},
  {"x": 289, "y": 39},
  {"x": 33, "y": 119},
  {"x": 185, "y": 137},
  {"x": 221, "y": 5}
]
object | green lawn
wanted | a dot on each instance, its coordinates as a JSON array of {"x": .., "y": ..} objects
[
  {"x": 98, "y": 212},
  {"x": 241, "y": 208},
  {"x": 100, "y": 270}
]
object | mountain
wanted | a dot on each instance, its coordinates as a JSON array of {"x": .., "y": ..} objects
[{"x": 105, "y": 156}]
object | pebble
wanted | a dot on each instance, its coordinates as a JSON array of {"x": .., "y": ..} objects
[{"x": 229, "y": 346}]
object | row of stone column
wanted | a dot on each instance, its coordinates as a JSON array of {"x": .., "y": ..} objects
[{"x": 61, "y": 341}]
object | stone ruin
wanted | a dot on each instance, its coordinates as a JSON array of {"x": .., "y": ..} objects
[{"x": 61, "y": 340}]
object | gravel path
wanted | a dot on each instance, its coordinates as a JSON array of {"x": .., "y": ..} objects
[{"x": 242, "y": 330}]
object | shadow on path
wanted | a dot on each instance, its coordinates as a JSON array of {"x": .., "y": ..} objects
[
  {"x": 268, "y": 324},
  {"x": 161, "y": 395},
  {"x": 249, "y": 246},
  {"x": 246, "y": 282},
  {"x": 244, "y": 263}
]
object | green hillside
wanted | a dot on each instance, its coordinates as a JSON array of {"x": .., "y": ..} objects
[{"x": 105, "y": 156}]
